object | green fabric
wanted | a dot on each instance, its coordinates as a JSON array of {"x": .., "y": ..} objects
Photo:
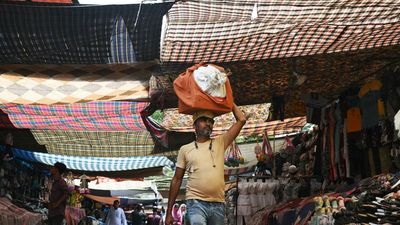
[
  {"x": 96, "y": 144},
  {"x": 44, "y": 137}
]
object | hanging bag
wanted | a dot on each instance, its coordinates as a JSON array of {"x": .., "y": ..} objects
[
  {"x": 192, "y": 98},
  {"x": 234, "y": 157},
  {"x": 266, "y": 147}
]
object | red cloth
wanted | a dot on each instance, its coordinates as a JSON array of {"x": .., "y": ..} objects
[{"x": 192, "y": 98}]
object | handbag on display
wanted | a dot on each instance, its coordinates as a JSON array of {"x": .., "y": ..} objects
[{"x": 234, "y": 156}]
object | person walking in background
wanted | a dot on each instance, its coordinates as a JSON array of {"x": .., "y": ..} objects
[
  {"x": 182, "y": 214},
  {"x": 58, "y": 195},
  {"x": 203, "y": 159},
  {"x": 175, "y": 213},
  {"x": 154, "y": 218},
  {"x": 116, "y": 216},
  {"x": 138, "y": 216}
]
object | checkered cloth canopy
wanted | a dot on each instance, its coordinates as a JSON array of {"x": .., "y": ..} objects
[
  {"x": 173, "y": 120},
  {"x": 93, "y": 116},
  {"x": 95, "y": 143},
  {"x": 65, "y": 84},
  {"x": 226, "y": 31},
  {"x": 95, "y": 163},
  {"x": 255, "y": 124},
  {"x": 80, "y": 34}
]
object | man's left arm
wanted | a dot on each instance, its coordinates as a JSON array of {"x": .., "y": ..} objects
[{"x": 234, "y": 130}]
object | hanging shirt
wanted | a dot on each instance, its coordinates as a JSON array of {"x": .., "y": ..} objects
[
  {"x": 369, "y": 109},
  {"x": 353, "y": 119},
  {"x": 371, "y": 103},
  {"x": 116, "y": 217}
]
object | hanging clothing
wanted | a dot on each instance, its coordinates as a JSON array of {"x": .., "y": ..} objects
[
  {"x": 353, "y": 120},
  {"x": 243, "y": 203},
  {"x": 371, "y": 104}
]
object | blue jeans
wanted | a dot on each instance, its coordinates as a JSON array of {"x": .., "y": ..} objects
[{"x": 205, "y": 213}]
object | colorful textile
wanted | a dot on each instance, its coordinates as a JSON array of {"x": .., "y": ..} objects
[
  {"x": 94, "y": 116},
  {"x": 66, "y": 84},
  {"x": 11, "y": 214},
  {"x": 121, "y": 44},
  {"x": 173, "y": 121},
  {"x": 212, "y": 31},
  {"x": 97, "y": 34},
  {"x": 45, "y": 137},
  {"x": 96, "y": 144},
  {"x": 95, "y": 163}
]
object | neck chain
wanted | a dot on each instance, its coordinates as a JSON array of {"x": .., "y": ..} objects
[{"x": 209, "y": 148}]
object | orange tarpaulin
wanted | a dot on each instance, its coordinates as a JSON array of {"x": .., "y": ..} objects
[{"x": 106, "y": 200}]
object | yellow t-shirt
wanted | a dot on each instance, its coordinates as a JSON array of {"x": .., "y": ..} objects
[{"x": 205, "y": 182}]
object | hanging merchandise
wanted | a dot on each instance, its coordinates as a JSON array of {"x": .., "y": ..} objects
[
  {"x": 266, "y": 147},
  {"x": 371, "y": 103},
  {"x": 75, "y": 199},
  {"x": 288, "y": 150},
  {"x": 84, "y": 187},
  {"x": 260, "y": 154},
  {"x": 234, "y": 156},
  {"x": 70, "y": 181}
]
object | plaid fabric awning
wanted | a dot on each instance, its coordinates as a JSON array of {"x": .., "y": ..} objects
[
  {"x": 96, "y": 144},
  {"x": 173, "y": 121},
  {"x": 93, "y": 116},
  {"x": 80, "y": 34},
  {"x": 66, "y": 84},
  {"x": 220, "y": 31},
  {"x": 95, "y": 163}
]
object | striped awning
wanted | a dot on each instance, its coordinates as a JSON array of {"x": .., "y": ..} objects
[
  {"x": 255, "y": 125},
  {"x": 76, "y": 34},
  {"x": 66, "y": 84},
  {"x": 95, "y": 163},
  {"x": 93, "y": 116},
  {"x": 228, "y": 31}
]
